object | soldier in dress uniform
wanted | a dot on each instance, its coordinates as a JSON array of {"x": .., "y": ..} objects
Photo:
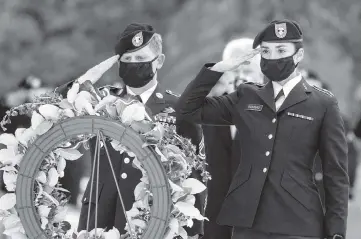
[
  {"x": 283, "y": 124},
  {"x": 223, "y": 142},
  {"x": 140, "y": 51}
]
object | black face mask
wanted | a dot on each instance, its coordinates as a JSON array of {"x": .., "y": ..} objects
[
  {"x": 136, "y": 74},
  {"x": 278, "y": 69}
]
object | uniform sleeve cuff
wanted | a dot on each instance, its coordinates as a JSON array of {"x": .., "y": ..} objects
[{"x": 207, "y": 73}]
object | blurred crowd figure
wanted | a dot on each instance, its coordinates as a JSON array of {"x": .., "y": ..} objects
[
  {"x": 222, "y": 142},
  {"x": 28, "y": 88}
]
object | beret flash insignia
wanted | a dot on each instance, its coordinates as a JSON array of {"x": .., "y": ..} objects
[
  {"x": 138, "y": 39},
  {"x": 281, "y": 30}
]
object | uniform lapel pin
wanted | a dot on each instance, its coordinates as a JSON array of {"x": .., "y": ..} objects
[{"x": 159, "y": 95}]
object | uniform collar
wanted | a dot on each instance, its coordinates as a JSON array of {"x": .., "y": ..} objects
[
  {"x": 288, "y": 87},
  {"x": 146, "y": 94}
]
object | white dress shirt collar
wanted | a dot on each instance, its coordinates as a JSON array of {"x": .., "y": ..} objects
[
  {"x": 287, "y": 88},
  {"x": 145, "y": 95}
]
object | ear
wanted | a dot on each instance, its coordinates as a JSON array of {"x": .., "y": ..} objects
[
  {"x": 160, "y": 61},
  {"x": 298, "y": 57}
]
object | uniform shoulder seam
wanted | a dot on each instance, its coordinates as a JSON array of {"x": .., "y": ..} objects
[
  {"x": 324, "y": 91},
  {"x": 253, "y": 83}
]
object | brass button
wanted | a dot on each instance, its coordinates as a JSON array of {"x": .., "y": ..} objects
[
  {"x": 267, "y": 153},
  {"x": 124, "y": 175},
  {"x": 265, "y": 170},
  {"x": 274, "y": 120},
  {"x": 126, "y": 160},
  {"x": 270, "y": 136}
]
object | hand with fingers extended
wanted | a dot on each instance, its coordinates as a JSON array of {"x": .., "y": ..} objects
[{"x": 233, "y": 63}]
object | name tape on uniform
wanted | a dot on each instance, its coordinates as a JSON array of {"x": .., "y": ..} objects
[
  {"x": 254, "y": 107},
  {"x": 300, "y": 116}
]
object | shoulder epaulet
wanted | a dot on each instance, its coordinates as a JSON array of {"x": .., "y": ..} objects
[
  {"x": 169, "y": 92},
  {"x": 326, "y": 92},
  {"x": 253, "y": 83}
]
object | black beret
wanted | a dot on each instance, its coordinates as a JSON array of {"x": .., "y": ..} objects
[
  {"x": 134, "y": 37},
  {"x": 279, "y": 31}
]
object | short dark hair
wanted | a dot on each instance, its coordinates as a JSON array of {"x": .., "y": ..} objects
[{"x": 298, "y": 45}]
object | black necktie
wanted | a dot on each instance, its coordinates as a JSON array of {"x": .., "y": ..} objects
[
  {"x": 279, "y": 95},
  {"x": 139, "y": 98}
]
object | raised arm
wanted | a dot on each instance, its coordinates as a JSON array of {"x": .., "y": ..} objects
[
  {"x": 195, "y": 106},
  {"x": 333, "y": 152}
]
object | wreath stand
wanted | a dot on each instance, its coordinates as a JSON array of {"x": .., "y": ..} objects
[{"x": 102, "y": 127}]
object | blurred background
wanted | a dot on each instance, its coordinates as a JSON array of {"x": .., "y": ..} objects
[{"x": 55, "y": 41}]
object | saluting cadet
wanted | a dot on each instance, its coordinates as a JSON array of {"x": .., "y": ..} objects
[
  {"x": 223, "y": 142},
  {"x": 140, "y": 51},
  {"x": 283, "y": 125}
]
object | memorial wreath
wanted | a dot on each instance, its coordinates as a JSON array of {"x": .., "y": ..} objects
[{"x": 49, "y": 200}]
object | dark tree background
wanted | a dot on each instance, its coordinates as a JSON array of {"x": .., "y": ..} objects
[{"x": 58, "y": 40}]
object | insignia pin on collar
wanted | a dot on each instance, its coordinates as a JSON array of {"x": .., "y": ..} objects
[{"x": 159, "y": 95}]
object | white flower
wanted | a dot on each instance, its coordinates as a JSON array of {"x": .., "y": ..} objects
[
  {"x": 187, "y": 209},
  {"x": 10, "y": 180},
  {"x": 133, "y": 112},
  {"x": 117, "y": 146},
  {"x": 9, "y": 140},
  {"x": 190, "y": 199},
  {"x": 19, "y": 132},
  {"x": 83, "y": 101},
  {"x": 43, "y": 127},
  {"x": 13, "y": 226},
  {"x": 108, "y": 100},
  {"x": 82, "y": 235},
  {"x": 97, "y": 232},
  {"x": 53, "y": 177},
  {"x": 36, "y": 120},
  {"x": 44, "y": 221},
  {"x": 7, "y": 201},
  {"x": 73, "y": 92},
  {"x": 61, "y": 165},
  {"x": 68, "y": 154},
  {"x": 183, "y": 233},
  {"x": 9, "y": 157},
  {"x": 133, "y": 212},
  {"x": 60, "y": 214},
  {"x": 140, "y": 191},
  {"x": 174, "y": 225},
  {"x": 18, "y": 235},
  {"x": 41, "y": 177},
  {"x": 24, "y": 136},
  {"x": 136, "y": 223},
  {"x": 69, "y": 113},
  {"x": 50, "y": 112},
  {"x": 193, "y": 184},
  {"x": 112, "y": 234},
  {"x": 44, "y": 211},
  {"x": 175, "y": 187},
  {"x": 64, "y": 104}
]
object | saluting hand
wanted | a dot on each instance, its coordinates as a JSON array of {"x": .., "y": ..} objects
[{"x": 233, "y": 63}]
